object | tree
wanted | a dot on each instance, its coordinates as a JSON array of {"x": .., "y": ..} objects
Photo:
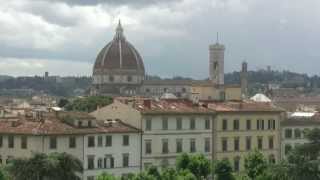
[
  {"x": 41, "y": 166},
  {"x": 279, "y": 171},
  {"x": 153, "y": 171},
  {"x": 255, "y": 164},
  {"x": 88, "y": 104},
  {"x": 66, "y": 167},
  {"x": 198, "y": 165},
  {"x": 62, "y": 102},
  {"x": 223, "y": 170}
]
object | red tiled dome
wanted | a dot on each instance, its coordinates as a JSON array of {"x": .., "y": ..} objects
[{"x": 119, "y": 54}]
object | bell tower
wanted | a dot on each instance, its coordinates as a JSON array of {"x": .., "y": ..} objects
[{"x": 216, "y": 62}]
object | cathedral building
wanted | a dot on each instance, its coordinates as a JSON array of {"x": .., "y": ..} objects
[{"x": 119, "y": 71}]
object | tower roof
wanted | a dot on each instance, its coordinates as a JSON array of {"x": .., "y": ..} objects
[{"x": 119, "y": 54}]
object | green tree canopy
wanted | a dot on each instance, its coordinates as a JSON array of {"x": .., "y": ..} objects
[
  {"x": 88, "y": 104},
  {"x": 255, "y": 164},
  {"x": 223, "y": 170}
]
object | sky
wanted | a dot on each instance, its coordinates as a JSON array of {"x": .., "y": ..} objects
[{"x": 172, "y": 36}]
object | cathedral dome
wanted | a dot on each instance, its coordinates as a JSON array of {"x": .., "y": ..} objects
[{"x": 119, "y": 55}]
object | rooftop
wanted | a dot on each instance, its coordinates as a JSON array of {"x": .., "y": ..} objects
[
  {"x": 243, "y": 106},
  {"x": 54, "y": 124}
]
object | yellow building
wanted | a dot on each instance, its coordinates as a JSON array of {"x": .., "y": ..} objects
[
  {"x": 241, "y": 126},
  {"x": 209, "y": 91}
]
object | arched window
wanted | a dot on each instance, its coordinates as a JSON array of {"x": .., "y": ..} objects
[{"x": 297, "y": 133}]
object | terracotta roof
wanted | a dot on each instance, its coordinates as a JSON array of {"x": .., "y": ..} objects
[
  {"x": 170, "y": 106},
  {"x": 52, "y": 125},
  {"x": 119, "y": 54},
  {"x": 243, "y": 106}
]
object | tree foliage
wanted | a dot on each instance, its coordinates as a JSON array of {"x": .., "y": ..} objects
[
  {"x": 223, "y": 170},
  {"x": 255, "y": 164},
  {"x": 41, "y": 166},
  {"x": 88, "y": 104}
]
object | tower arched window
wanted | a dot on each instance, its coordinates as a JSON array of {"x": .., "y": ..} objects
[{"x": 215, "y": 65}]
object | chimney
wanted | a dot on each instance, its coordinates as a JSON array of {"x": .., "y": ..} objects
[{"x": 147, "y": 103}]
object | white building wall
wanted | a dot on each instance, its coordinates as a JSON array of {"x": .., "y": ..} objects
[{"x": 116, "y": 151}]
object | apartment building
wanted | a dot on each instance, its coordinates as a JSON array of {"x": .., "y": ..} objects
[
  {"x": 241, "y": 126},
  {"x": 169, "y": 127},
  {"x": 102, "y": 146},
  {"x": 294, "y": 127}
]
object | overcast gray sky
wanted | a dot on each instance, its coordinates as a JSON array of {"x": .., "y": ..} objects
[{"x": 64, "y": 37}]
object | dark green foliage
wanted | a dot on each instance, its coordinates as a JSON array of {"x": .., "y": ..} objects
[
  {"x": 106, "y": 176},
  {"x": 88, "y": 104},
  {"x": 62, "y": 102},
  {"x": 223, "y": 170},
  {"x": 41, "y": 166},
  {"x": 153, "y": 171},
  {"x": 198, "y": 165},
  {"x": 255, "y": 164}
]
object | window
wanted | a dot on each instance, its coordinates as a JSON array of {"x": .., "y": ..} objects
[
  {"x": 269, "y": 124},
  {"x": 125, "y": 140},
  {"x": 248, "y": 143},
  {"x": 164, "y": 123},
  {"x": 165, "y": 146},
  {"x": 100, "y": 140},
  {"x": 89, "y": 123},
  {"x": 24, "y": 142},
  {"x": 90, "y": 162},
  {"x": 1, "y": 141},
  {"x": 236, "y": 144},
  {"x": 207, "y": 145},
  {"x": 125, "y": 160},
  {"x": 147, "y": 90},
  {"x": 297, "y": 133},
  {"x": 179, "y": 123},
  {"x": 148, "y": 146},
  {"x": 148, "y": 124},
  {"x": 273, "y": 124},
  {"x": 272, "y": 159},
  {"x": 287, "y": 148},
  {"x": 91, "y": 141},
  {"x": 11, "y": 141},
  {"x": 129, "y": 78},
  {"x": 207, "y": 123},
  {"x": 192, "y": 123},
  {"x": 99, "y": 163},
  {"x": 79, "y": 123},
  {"x": 53, "y": 142},
  {"x": 288, "y": 133},
  {"x": 236, "y": 164},
  {"x": 248, "y": 124},
  {"x": 192, "y": 145},
  {"x": 260, "y": 124},
  {"x": 111, "y": 78},
  {"x": 236, "y": 124},
  {"x": 179, "y": 145},
  {"x": 271, "y": 144},
  {"x": 72, "y": 142},
  {"x": 224, "y": 124},
  {"x": 108, "y": 161},
  {"x": 260, "y": 143},
  {"x": 224, "y": 144},
  {"x": 108, "y": 141},
  {"x": 164, "y": 163}
]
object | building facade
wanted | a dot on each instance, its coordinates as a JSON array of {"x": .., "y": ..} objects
[
  {"x": 293, "y": 130},
  {"x": 240, "y": 127},
  {"x": 108, "y": 146}
]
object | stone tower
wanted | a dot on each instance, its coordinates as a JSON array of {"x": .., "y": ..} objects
[
  {"x": 216, "y": 64},
  {"x": 244, "y": 80}
]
